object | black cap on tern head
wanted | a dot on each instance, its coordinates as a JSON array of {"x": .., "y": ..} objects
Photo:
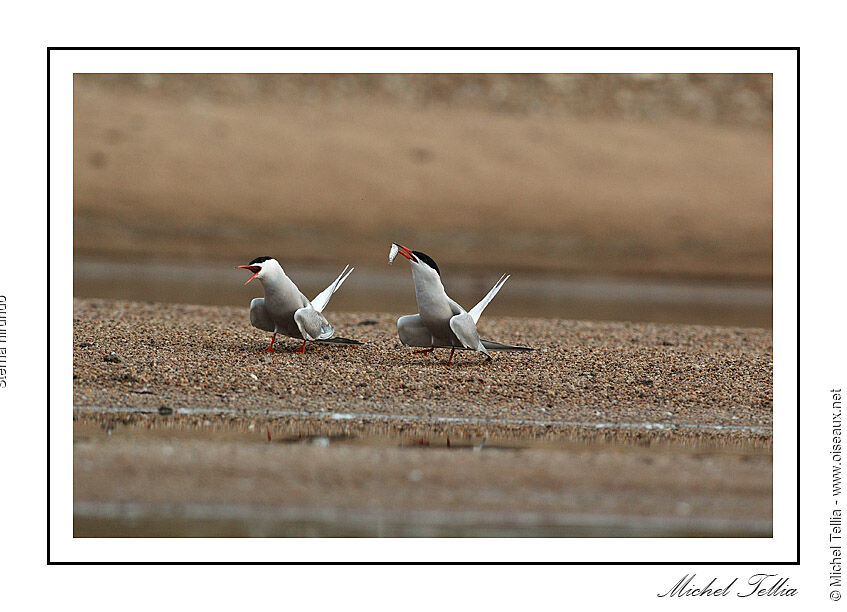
[
  {"x": 260, "y": 260},
  {"x": 427, "y": 260}
]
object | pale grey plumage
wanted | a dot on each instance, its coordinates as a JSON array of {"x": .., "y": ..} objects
[
  {"x": 442, "y": 322},
  {"x": 464, "y": 327},
  {"x": 414, "y": 333},
  {"x": 259, "y": 317},
  {"x": 312, "y": 324},
  {"x": 285, "y": 310}
]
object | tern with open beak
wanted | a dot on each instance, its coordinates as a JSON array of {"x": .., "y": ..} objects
[
  {"x": 285, "y": 310},
  {"x": 441, "y": 322}
]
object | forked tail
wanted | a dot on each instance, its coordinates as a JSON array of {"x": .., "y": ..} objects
[
  {"x": 499, "y": 346},
  {"x": 322, "y": 299},
  {"x": 476, "y": 311},
  {"x": 346, "y": 341}
]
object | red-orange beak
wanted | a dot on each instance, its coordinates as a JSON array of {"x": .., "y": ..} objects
[
  {"x": 254, "y": 269},
  {"x": 406, "y": 253}
]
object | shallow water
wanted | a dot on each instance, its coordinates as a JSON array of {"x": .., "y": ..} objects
[
  {"x": 115, "y": 516},
  {"x": 109, "y": 519},
  {"x": 389, "y": 289},
  {"x": 479, "y": 421}
]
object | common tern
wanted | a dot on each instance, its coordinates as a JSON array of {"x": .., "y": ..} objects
[
  {"x": 285, "y": 310},
  {"x": 441, "y": 322}
]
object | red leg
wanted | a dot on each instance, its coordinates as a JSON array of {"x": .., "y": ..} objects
[
  {"x": 270, "y": 349},
  {"x": 452, "y": 350},
  {"x": 302, "y": 348},
  {"x": 429, "y": 350}
]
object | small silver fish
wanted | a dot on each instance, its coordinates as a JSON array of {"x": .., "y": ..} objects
[{"x": 392, "y": 253}]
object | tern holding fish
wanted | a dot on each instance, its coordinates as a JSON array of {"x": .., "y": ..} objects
[
  {"x": 285, "y": 310},
  {"x": 441, "y": 322}
]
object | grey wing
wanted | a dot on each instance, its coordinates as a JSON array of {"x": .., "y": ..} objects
[
  {"x": 312, "y": 324},
  {"x": 413, "y": 332},
  {"x": 465, "y": 329},
  {"x": 455, "y": 306},
  {"x": 259, "y": 316}
]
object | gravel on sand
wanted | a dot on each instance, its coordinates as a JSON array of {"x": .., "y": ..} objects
[{"x": 585, "y": 380}]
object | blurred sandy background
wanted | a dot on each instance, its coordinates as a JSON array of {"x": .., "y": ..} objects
[{"x": 665, "y": 178}]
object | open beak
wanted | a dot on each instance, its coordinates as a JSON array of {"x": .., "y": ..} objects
[
  {"x": 254, "y": 269},
  {"x": 406, "y": 253}
]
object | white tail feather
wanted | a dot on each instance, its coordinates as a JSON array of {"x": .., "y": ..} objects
[
  {"x": 322, "y": 299},
  {"x": 476, "y": 311}
]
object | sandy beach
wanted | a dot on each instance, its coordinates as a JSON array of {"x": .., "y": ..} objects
[
  {"x": 183, "y": 426},
  {"x": 325, "y": 171}
]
